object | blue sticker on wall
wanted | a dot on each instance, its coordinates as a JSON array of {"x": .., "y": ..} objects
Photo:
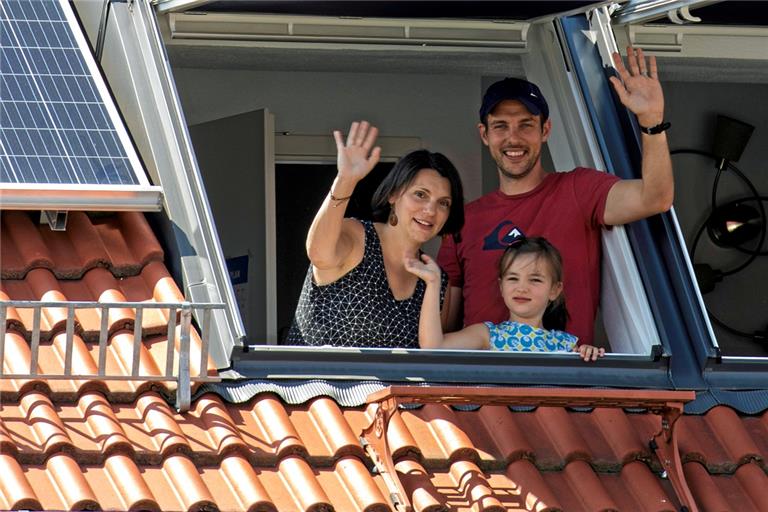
[{"x": 238, "y": 269}]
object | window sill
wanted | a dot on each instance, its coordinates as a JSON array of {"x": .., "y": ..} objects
[{"x": 451, "y": 366}]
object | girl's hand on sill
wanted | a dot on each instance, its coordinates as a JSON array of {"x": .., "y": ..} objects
[{"x": 589, "y": 352}]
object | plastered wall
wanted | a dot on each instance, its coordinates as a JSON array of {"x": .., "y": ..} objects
[{"x": 441, "y": 109}]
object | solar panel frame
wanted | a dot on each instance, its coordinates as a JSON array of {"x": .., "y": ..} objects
[{"x": 70, "y": 119}]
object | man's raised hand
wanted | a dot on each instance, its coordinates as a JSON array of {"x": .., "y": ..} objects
[{"x": 639, "y": 88}]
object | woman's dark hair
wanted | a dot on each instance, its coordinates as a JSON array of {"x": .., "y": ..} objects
[
  {"x": 556, "y": 314},
  {"x": 403, "y": 173}
]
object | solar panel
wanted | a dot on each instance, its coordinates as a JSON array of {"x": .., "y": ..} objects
[{"x": 58, "y": 122}]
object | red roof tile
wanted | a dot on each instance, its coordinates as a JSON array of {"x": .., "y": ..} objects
[
  {"x": 84, "y": 444},
  {"x": 106, "y": 258},
  {"x": 123, "y": 243},
  {"x": 213, "y": 456}
]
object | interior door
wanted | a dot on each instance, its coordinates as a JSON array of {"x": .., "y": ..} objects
[{"x": 236, "y": 159}]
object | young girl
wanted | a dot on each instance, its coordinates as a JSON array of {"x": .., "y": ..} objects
[{"x": 531, "y": 281}]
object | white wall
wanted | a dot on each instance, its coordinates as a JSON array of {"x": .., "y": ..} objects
[
  {"x": 440, "y": 109},
  {"x": 740, "y": 300}
]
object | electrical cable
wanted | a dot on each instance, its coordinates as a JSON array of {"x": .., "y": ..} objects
[
  {"x": 753, "y": 253},
  {"x": 715, "y": 184},
  {"x": 755, "y": 194},
  {"x": 711, "y": 315}
]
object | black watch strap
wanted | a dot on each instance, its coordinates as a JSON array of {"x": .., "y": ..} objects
[{"x": 653, "y": 130}]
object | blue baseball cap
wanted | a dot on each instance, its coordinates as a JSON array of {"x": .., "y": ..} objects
[{"x": 518, "y": 89}]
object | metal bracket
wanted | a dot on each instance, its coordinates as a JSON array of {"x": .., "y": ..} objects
[
  {"x": 682, "y": 16},
  {"x": 56, "y": 220},
  {"x": 664, "y": 444},
  {"x": 667, "y": 404},
  {"x": 643, "y": 11},
  {"x": 374, "y": 440}
]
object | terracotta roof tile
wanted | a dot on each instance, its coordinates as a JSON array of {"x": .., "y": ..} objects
[
  {"x": 15, "y": 490},
  {"x": 584, "y": 483},
  {"x": 418, "y": 483},
  {"x": 752, "y": 478},
  {"x": 473, "y": 485},
  {"x": 359, "y": 485},
  {"x": 445, "y": 427},
  {"x": 152, "y": 284},
  {"x": 183, "y": 478},
  {"x": 336, "y": 433},
  {"x": 401, "y": 441},
  {"x": 248, "y": 492},
  {"x": 125, "y": 481},
  {"x": 278, "y": 433},
  {"x": 636, "y": 487},
  {"x": 567, "y": 441},
  {"x": 210, "y": 416},
  {"x": 303, "y": 486},
  {"x": 158, "y": 418},
  {"x": 703, "y": 485},
  {"x": 122, "y": 242},
  {"x": 216, "y": 456},
  {"x": 87, "y": 444},
  {"x": 509, "y": 447},
  {"x": 731, "y": 434},
  {"x": 18, "y": 360},
  {"x": 617, "y": 435},
  {"x": 70, "y": 483},
  {"x": 531, "y": 488},
  {"x": 48, "y": 431}
]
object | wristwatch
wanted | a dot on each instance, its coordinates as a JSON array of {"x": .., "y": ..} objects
[{"x": 653, "y": 130}]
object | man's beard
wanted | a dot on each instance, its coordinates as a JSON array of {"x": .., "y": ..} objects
[
  {"x": 511, "y": 176},
  {"x": 518, "y": 176}
]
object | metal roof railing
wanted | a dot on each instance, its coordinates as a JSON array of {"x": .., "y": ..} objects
[{"x": 179, "y": 314}]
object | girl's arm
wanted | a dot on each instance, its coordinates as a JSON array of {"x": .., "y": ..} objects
[
  {"x": 430, "y": 328},
  {"x": 331, "y": 239}
]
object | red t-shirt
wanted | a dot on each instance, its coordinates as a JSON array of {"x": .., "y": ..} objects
[{"x": 567, "y": 209}]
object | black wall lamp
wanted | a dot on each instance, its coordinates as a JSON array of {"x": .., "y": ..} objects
[{"x": 734, "y": 224}]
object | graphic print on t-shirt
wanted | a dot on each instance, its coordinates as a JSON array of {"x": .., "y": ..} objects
[{"x": 502, "y": 236}]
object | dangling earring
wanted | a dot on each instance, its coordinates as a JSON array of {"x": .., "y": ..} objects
[{"x": 392, "y": 217}]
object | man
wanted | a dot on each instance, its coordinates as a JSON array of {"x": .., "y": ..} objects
[{"x": 567, "y": 208}]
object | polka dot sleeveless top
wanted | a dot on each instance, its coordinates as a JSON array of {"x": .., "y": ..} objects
[
  {"x": 359, "y": 310},
  {"x": 519, "y": 337}
]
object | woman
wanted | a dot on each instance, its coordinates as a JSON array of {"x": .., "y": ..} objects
[{"x": 357, "y": 292}]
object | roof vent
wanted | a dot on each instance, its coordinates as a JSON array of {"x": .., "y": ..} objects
[{"x": 258, "y": 28}]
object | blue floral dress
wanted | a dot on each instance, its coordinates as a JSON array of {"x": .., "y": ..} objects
[{"x": 518, "y": 337}]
